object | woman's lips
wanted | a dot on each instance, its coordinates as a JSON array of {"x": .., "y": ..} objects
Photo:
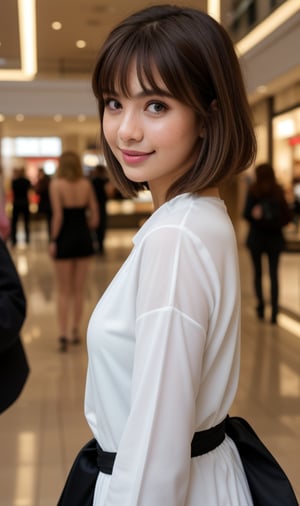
[{"x": 134, "y": 157}]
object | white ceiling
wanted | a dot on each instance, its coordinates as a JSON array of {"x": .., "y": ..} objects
[{"x": 88, "y": 20}]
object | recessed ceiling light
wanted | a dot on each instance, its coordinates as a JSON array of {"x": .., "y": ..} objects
[
  {"x": 80, "y": 44},
  {"x": 56, "y": 25},
  {"x": 20, "y": 117},
  {"x": 261, "y": 89}
]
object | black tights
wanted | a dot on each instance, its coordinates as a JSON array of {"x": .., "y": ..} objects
[{"x": 273, "y": 259}]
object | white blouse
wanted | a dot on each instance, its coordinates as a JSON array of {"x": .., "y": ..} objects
[{"x": 164, "y": 345}]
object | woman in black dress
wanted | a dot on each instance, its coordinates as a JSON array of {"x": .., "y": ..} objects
[{"x": 75, "y": 213}]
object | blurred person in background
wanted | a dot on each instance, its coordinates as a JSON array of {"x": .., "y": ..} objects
[
  {"x": 100, "y": 182},
  {"x": 14, "y": 368},
  {"x": 21, "y": 187},
  {"x": 42, "y": 190},
  {"x": 74, "y": 216},
  {"x": 267, "y": 212}
]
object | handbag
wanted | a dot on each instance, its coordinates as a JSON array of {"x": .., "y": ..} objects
[
  {"x": 81, "y": 482},
  {"x": 268, "y": 483}
]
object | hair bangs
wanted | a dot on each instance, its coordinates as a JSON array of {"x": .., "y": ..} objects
[{"x": 157, "y": 65}]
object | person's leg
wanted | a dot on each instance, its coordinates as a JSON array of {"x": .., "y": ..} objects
[
  {"x": 273, "y": 258},
  {"x": 64, "y": 280},
  {"x": 80, "y": 272},
  {"x": 257, "y": 279},
  {"x": 14, "y": 222},
  {"x": 26, "y": 216}
]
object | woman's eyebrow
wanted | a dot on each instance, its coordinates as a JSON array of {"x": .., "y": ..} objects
[{"x": 147, "y": 92}]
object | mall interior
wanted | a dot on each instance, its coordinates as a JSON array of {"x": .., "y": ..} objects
[{"x": 46, "y": 107}]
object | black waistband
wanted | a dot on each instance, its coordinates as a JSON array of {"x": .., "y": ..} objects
[{"x": 203, "y": 442}]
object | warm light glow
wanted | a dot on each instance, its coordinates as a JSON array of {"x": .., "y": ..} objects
[
  {"x": 289, "y": 324},
  {"x": 262, "y": 89},
  {"x": 22, "y": 265},
  {"x": 214, "y": 9},
  {"x": 2, "y": 118},
  {"x": 90, "y": 160},
  {"x": 58, "y": 118},
  {"x": 80, "y": 44},
  {"x": 20, "y": 117},
  {"x": 56, "y": 25},
  {"x": 25, "y": 476},
  {"x": 266, "y": 27},
  {"x": 285, "y": 128},
  {"x": 27, "y": 31}
]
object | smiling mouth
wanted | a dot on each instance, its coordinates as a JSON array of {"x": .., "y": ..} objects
[{"x": 130, "y": 156}]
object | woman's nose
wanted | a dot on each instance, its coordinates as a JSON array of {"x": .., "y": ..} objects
[{"x": 130, "y": 128}]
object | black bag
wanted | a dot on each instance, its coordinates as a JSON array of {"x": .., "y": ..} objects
[
  {"x": 275, "y": 213},
  {"x": 267, "y": 481},
  {"x": 81, "y": 482}
]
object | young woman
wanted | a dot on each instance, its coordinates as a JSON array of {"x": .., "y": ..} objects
[
  {"x": 267, "y": 212},
  {"x": 74, "y": 214},
  {"x": 163, "y": 341}
]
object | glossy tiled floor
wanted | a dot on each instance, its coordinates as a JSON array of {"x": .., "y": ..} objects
[{"x": 41, "y": 433}]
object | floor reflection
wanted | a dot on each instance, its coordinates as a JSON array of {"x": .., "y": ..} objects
[{"x": 43, "y": 431}]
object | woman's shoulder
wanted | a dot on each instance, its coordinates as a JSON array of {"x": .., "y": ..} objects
[{"x": 188, "y": 215}]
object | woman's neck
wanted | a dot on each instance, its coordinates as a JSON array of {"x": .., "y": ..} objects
[{"x": 212, "y": 191}]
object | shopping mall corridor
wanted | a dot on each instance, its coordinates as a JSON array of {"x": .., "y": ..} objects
[{"x": 42, "y": 432}]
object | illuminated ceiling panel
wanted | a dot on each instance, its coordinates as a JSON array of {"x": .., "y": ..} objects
[{"x": 18, "y": 41}]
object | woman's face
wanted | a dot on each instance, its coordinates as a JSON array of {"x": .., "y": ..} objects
[{"x": 154, "y": 137}]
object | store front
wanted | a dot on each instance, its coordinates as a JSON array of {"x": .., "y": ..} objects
[{"x": 277, "y": 124}]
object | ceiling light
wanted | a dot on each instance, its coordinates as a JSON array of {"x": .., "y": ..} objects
[
  {"x": 57, "y": 118},
  {"x": 2, "y": 118},
  {"x": 20, "y": 117},
  {"x": 262, "y": 88},
  {"x": 80, "y": 44},
  {"x": 81, "y": 117},
  {"x": 56, "y": 25},
  {"x": 27, "y": 34},
  {"x": 214, "y": 9}
]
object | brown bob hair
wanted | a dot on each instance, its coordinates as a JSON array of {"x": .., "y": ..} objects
[
  {"x": 69, "y": 166},
  {"x": 195, "y": 59}
]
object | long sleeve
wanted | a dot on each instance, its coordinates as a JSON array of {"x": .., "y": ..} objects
[
  {"x": 173, "y": 308},
  {"x": 163, "y": 346}
]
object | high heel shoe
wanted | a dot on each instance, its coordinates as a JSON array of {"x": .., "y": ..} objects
[{"x": 63, "y": 344}]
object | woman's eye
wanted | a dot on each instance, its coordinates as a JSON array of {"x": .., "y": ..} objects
[
  {"x": 157, "y": 107},
  {"x": 112, "y": 104}
]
